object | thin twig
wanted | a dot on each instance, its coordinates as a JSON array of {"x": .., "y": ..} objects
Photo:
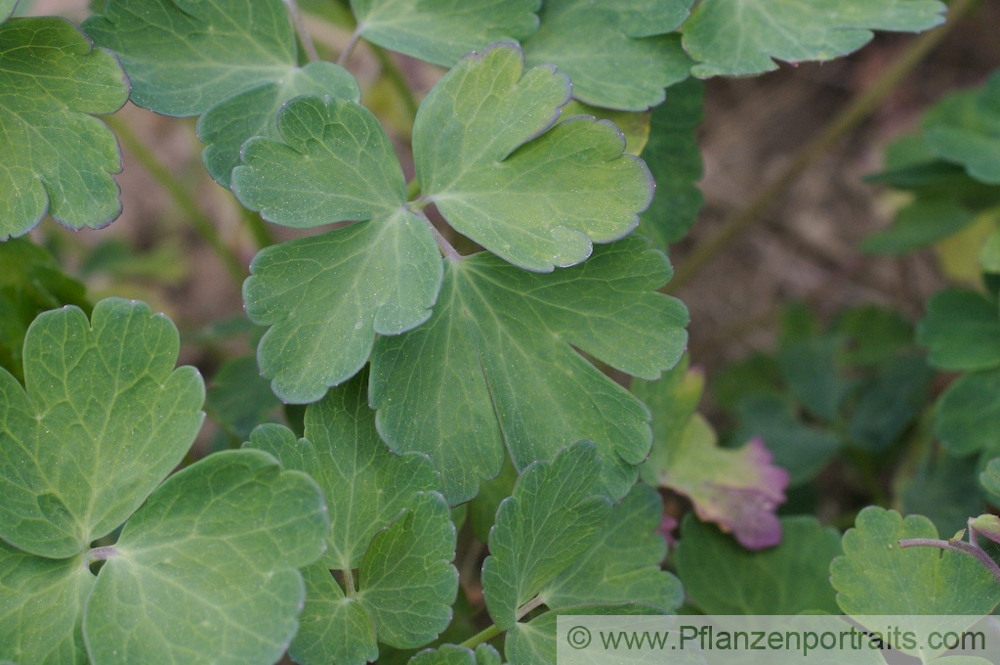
[
  {"x": 447, "y": 250},
  {"x": 856, "y": 112},
  {"x": 180, "y": 195},
  {"x": 345, "y": 55},
  {"x": 956, "y": 546},
  {"x": 301, "y": 31}
]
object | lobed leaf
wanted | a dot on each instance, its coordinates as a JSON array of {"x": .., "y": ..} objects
[
  {"x": 56, "y": 158},
  {"x": 238, "y": 398},
  {"x": 185, "y": 56},
  {"x": 442, "y": 31},
  {"x": 205, "y": 572},
  {"x": 102, "y": 419},
  {"x": 553, "y": 516},
  {"x": 41, "y": 605},
  {"x": 964, "y": 128},
  {"x": 619, "y": 53},
  {"x": 326, "y": 297},
  {"x": 738, "y": 489},
  {"x": 875, "y": 576},
  {"x": 489, "y": 158},
  {"x": 967, "y": 419},
  {"x": 962, "y": 331},
  {"x": 674, "y": 159},
  {"x": 497, "y": 352},
  {"x": 720, "y": 577},
  {"x": 743, "y": 37},
  {"x": 384, "y": 520},
  {"x": 450, "y": 654}
]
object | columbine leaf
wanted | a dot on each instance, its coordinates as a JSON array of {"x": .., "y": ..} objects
[
  {"x": 488, "y": 156},
  {"x": 721, "y": 577},
  {"x": 940, "y": 490},
  {"x": 41, "y": 605},
  {"x": 206, "y": 570},
  {"x": 990, "y": 478},
  {"x": 674, "y": 160},
  {"x": 502, "y": 363},
  {"x": 450, "y": 654},
  {"x": 740, "y": 37},
  {"x": 238, "y": 398},
  {"x": 542, "y": 529},
  {"x": 226, "y": 126},
  {"x": 619, "y": 53},
  {"x": 967, "y": 419},
  {"x": 623, "y": 565},
  {"x": 55, "y": 158},
  {"x": 738, "y": 489},
  {"x": 962, "y": 331},
  {"x": 442, "y": 31},
  {"x": 800, "y": 448},
  {"x": 102, "y": 420},
  {"x": 876, "y": 576},
  {"x": 964, "y": 128},
  {"x": 889, "y": 402},
  {"x": 327, "y": 296},
  {"x": 31, "y": 282},
  {"x": 923, "y": 222},
  {"x": 185, "y": 56},
  {"x": 234, "y": 61},
  {"x": 385, "y": 520}
]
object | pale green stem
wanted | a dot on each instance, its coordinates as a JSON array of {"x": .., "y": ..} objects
[
  {"x": 349, "y": 582},
  {"x": 848, "y": 119},
  {"x": 180, "y": 195},
  {"x": 345, "y": 55},
  {"x": 300, "y": 29},
  {"x": 481, "y": 637},
  {"x": 391, "y": 70}
]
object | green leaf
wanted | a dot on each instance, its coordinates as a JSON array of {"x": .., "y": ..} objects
[
  {"x": 967, "y": 419},
  {"x": 104, "y": 417},
  {"x": 41, "y": 605},
  {"x": 990, "y": 478},
  {"x": 31, "y": 282},
  {"x": 874, "y": 335},
  {"x": 326, "y": 297},
  {"x": 802, "y": 449},
  {"x": 6, "y": 9},
  {"x": 489, "y": 158},
  {"x": 253, "y": 112},
  {"x": 238, "y": 398},
  {"x": 674, "y": 159},
  {"x": 889, "y": 403},
  {"x": 876, "y": 576},
  {"x": 483, "y": 508},
  {"x": 185, "y": 56},
  {"x": 497, "y": 352},
  {"x": 449, "y": 654},
  {"x": 619, "y": 53},
  {"x": 383, "y": 519},
  {"x": 720, "y": 577},
  {"x": 56, "y": 158},
  {"x": 965, "y": 128},
  {"x": 922, "y": 223},
  {"x": 810, "y": 369},
  {"x": 206, "y": 570},
  {"x": 738, "y": 489},
  {"x": 962, "y": 331},
  {"x": 941, "y": 491},
  {"x": 534, "y": 642},
  {"x": 740, "y": 37},
  {"x": 552, "y": 517},
  {"x": 442, "y": 31},
  {"x": 623, "y": 564}
]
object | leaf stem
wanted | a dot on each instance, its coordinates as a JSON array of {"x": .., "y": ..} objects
[
  {"x": 528, "y": 606},
  {"x": 349, "y": 582},
  {"x": 101, "y": 554},
  {"x": 395, "y": 75},
  {"x": 300, "y": 29},
  {"x": 956, "y": 546},
  {"x": 180, "y": 196},
  {"x": 482, "y": 636},
  {"x": 345, "y": 55},
  {"x": 447, "y": 250},
  {"x": 853, "y": 115}
]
